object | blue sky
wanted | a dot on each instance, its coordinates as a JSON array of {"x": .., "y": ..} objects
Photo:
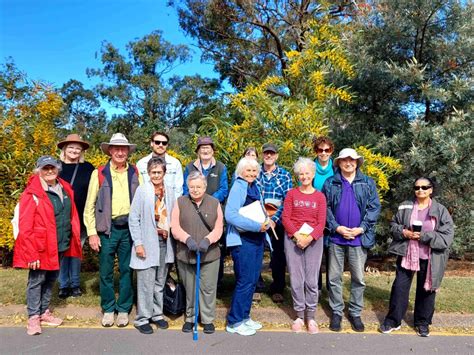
[{"x": 57, "y": 40}]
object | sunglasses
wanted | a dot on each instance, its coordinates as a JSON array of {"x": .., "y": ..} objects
[
  {"x": 424, "y": 188},
  {"x": 163, "y": 143},
  {"x": 327, "y": 150}
]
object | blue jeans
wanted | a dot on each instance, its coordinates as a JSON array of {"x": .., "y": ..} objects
[
  {"x": 247, "y": 259},
  {"x": 69, "y": 272},
  {"x": 356, "y": 257},
  {"x": 70, "y": 268}
]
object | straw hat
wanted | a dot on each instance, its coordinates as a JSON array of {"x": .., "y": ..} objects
[{"x": 118, "y": 139}]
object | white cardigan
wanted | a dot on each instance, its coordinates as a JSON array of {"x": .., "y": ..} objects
[{"x": 142, "y": 226}]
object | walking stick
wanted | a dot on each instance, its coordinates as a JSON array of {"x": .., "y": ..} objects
[{"x": 196, "y": 298}]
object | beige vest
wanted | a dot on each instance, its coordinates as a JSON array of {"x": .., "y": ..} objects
[{"x": 192, "y": 224}]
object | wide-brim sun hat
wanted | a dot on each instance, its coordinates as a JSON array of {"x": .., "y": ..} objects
[
  {"x": 349, "y": 152},
  {"x": 118, "y": 140},
  {"x": 73, "y": 138}
]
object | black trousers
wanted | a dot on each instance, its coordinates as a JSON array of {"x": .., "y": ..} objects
[
  {"x": 278, "y": 260},
  {"x": 326, "y": 264},
  {"x": 424, "y": 300}
]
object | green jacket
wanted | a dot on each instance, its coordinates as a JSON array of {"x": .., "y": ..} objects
[
  {"x": 439, "y": 240},
  {"x": 62, "y": 213}
]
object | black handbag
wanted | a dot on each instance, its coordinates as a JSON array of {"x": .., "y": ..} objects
[{"x": 174, "y": 299}]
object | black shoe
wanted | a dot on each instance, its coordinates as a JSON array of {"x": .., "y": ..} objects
[
  {"x": 160, "y": 323},
  {"x": 335, "y": 324},
  {"x": 64, "y": 293},
  {"x": 187, "y": 327},
  {"x": 144, "y": 328},
  {"x": 387, "y": 329},
  {"x": 423, "y": 330},
  {"x": 76, "y": 292},
  {"x": 356, "y": 324},
  {"x": 209, "y": 328}
]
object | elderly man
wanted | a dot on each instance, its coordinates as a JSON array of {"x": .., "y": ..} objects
[
  {"x": 275, "y": 182},
  {"x": 110, "y": 194},
  {"x": 214, "y": 171},
  {"x": 216, "y": 177},
  {"x": 353, "y": 207},
  {"x": 159, "y": 143}
]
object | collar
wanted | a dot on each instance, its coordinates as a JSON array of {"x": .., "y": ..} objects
[
  {"x": 270, "y": 173},
  {"x": 197, "y": 164},
  {"x": 114, "y": 168},
  {"x": 44, "y": 185}
]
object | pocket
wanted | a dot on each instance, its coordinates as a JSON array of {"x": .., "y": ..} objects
[{"x": 40, "y": 238}]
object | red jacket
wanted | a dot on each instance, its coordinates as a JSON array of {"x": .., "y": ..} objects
[{"x": 37, "y": 238}]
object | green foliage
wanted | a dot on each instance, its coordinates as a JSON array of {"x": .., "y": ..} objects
[
  {"x": 84, "y": 115},
  {"x": 247, "y": 40},
  {"x": 444, "y": 153},
  {"x": 292, "y": 121},
  {"x": 28, "y": 111},
  {"x": 413, "y": 59},
  {"x": 141, "y": 88}
]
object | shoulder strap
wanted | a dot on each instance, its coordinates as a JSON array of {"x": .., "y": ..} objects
[
  {"x": 200, "y": 215},
  {"x": 74, "y": 174}
]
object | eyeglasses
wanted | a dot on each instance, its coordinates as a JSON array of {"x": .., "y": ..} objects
[
  {"x": 424, "y": 188},
  {"x": 163, "y": 143},
  {"x": 156, "y": 173},
  {"x": 327, "y": 150}
]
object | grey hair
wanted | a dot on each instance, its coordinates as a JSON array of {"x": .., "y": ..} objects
[
  {"x": 37, "y": 170},
  {"x": 243, "y": 163},
  {"x": 195, "y": 175},
  {"x": 304, "y": 162}
]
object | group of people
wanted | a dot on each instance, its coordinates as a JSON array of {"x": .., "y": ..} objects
[{"x": 152, "y": 215}]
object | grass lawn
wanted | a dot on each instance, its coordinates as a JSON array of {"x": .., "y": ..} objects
[{"x": 453, "y": 296}]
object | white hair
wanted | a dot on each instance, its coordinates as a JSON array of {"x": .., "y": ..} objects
[
  {"x": 244, "y": 163},
  {"x": 196, "y": 175},
  {"x": 304, "y": 162}
]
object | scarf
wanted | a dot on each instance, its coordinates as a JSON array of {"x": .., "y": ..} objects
[
  {"x": 161, "y": 214},
  {"x": 411, "y": 261},
  {"x": 322, "y": 174}
]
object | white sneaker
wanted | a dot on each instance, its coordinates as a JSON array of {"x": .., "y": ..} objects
[
  {"x": 108, "y": 319},
  {"x": 242, "y": 329},
  {"x": 122, "y": 319},
  {"x": 253, "y": 324}
]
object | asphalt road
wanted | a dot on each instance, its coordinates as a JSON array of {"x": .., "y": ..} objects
[{"x": 129, "y": 341}]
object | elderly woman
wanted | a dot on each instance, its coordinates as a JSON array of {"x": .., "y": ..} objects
[
  {"x": 152, "y": 251},
  {"x": 77, "y": 172},
  {"x": 304, "y": 218},
  {"x": 197, "y": 224},
  {"x": 49, "y": 229},
  {"x": 422, "y": 232},
  {"x": 245, "y": 239}
]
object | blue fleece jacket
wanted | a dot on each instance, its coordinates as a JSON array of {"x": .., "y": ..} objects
[{"x": 236, "y": 200}]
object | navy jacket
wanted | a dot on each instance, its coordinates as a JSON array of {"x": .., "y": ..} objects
[{"x": 367, "y": 200}]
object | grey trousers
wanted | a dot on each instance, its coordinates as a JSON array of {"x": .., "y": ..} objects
[
  {"x": 356, "y": 257},
  {"x": 207, "y": 289},
  {"x": 39, "y": 290},
  {"x": 150, "y": 288},
  {"x": 303, "y": 268}
]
